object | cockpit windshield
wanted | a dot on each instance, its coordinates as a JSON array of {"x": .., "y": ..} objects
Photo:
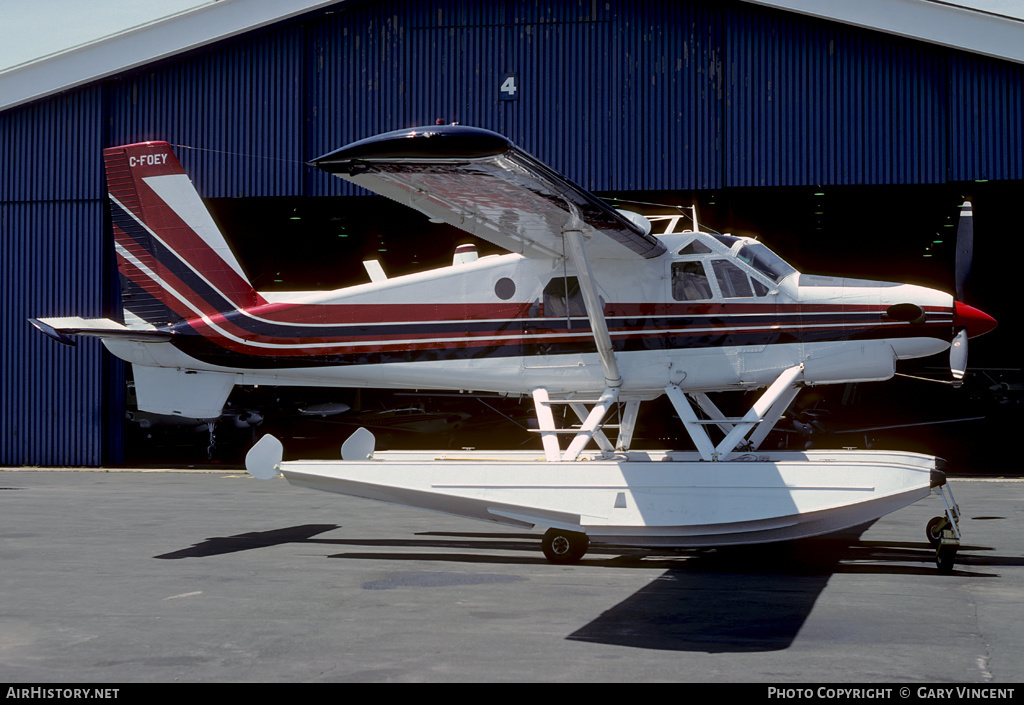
[{"x": 765, "y": 261}]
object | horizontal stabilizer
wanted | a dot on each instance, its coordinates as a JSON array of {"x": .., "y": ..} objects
[{"x": 60, "y": 328}]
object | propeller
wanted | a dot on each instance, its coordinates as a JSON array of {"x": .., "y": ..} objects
[
  {"x": 967, "y": 320},
  {"x": 964, "y": 248},
  {"x": 958, "y": 357},
  {"x": 962, "y": 270}
]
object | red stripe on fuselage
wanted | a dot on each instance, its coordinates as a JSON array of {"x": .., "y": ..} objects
[
  {"x": 341, "y": 314},
  {"x": 219, "y": 329}
]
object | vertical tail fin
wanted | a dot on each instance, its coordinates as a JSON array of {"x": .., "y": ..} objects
[{"x": 175, "y": 264}]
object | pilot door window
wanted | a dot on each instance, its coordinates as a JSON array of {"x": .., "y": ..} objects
[{"x": 734, "y": 283}]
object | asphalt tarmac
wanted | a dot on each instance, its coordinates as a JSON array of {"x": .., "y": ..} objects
[{"x": 213, "y": 577}]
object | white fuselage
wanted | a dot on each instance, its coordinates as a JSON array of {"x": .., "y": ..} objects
[{"x": 417, "y": 331}]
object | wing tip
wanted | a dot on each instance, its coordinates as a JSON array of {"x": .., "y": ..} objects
[{"x": 455, "y": 142}]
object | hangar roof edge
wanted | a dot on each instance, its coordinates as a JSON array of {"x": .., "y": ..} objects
[
  {"x": 944, "y": 22},
  {"x": 144, "y": 44},
  {"x": 935, "y": 21}
]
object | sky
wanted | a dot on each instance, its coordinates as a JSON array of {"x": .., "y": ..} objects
[
  {"x": 31, "y": 29},
  {"x": 1010, "y": 8}
]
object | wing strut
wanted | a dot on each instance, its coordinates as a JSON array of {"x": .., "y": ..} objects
[
  {"x": 595, "y": 312},
  {"x": 591, "y": 428}
]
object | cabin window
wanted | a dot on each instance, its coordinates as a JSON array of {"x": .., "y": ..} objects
[
  {"x": 690, "y": 281},
  {"x": 695, "y": 247},
  {"x": 504, "y": 288},
  {"x": 562, "y": 297}
]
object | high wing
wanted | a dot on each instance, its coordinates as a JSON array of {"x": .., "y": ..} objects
[{"x": 480, "y": 182}]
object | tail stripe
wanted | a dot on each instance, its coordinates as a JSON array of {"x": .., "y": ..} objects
[
  {"x": 165, "y": 262},
  {"x": 187, "y": 228},
  {"x": 180, "y": 304}
]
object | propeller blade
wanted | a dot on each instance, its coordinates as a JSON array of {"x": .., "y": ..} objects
[
  {"x": 958, "y": 356},
  {"x": 964, "y": 248}
]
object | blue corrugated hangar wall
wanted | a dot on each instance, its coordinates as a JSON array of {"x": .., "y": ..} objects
[{"x": 618, "y": 95}]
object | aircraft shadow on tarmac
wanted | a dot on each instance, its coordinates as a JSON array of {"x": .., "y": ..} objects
[
  {"x": 754, "y": 598},
  {"x": 747, "y": 599},
  {"x": 246, "y": 542}
]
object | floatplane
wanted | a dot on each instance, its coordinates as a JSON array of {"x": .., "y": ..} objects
[{"x": 589, "y": 312}]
